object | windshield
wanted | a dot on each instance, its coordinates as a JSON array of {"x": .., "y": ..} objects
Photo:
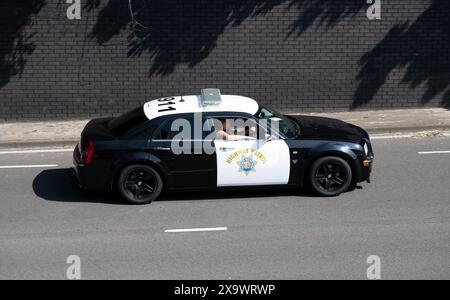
[
  {"x": 287, "y": 127},
  {"x": 128, "y": 121}
]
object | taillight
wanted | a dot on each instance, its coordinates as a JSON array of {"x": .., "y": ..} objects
[{"x": 88, "y": 153}]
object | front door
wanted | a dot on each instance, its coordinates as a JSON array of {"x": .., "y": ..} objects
[{"x": 252, "y": 163}]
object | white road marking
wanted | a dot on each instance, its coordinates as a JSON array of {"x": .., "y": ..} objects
[
  {"x": 28, "y": 166},
  {"x": 434, "y": 152},
  {"x": 35, "y": 151},
  {"x": 195, "y": 230}
]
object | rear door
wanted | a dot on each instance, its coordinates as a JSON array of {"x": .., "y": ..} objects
[{"x": 192, "y": 168}]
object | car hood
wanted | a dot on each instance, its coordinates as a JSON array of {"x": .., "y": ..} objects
[{"x": 330, "y": 129}]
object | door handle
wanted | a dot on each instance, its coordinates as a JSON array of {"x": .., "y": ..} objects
[
  {"x": 224, "y": 149},
  {"x": 163, "y": 149}
]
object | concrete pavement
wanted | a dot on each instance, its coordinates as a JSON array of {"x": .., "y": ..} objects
[
  {"x": 396, "y": 121},
  {"x": 403, "y": 217},
  {"x": 383, "y": 121}
]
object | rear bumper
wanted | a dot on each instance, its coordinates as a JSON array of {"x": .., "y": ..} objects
[
  {"x": 75, "y": 177},
  {"x": 90, "y": 177}
]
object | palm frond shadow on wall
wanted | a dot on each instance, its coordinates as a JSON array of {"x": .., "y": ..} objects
[
  {"x": 422, "y": 47},
  {"x": 186, "y": 31},
  {"x": 16, "y": 45}
]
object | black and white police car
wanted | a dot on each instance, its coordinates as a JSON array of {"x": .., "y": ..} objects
[{"x": 214, "y": 141}]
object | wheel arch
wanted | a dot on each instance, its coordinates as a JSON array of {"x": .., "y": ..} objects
[
  {"x": 340, "y": 151},
  {"x": 139, "y": 160}
]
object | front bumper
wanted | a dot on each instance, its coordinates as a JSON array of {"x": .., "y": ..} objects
[
  {"x": 366, "y": 170},
  {"x": 366, "y": 162}
]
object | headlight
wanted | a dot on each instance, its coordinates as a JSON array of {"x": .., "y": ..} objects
[{"x": 366, "y": 149}]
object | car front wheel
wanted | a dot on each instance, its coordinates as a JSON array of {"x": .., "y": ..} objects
[
  {"x": 330, "y": 176},
  {"x": 139, "y": 184}
]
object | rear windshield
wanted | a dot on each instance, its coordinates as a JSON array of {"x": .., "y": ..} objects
[{"x": 128, "y": 121}]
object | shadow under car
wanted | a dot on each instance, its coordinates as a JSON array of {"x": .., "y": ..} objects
[{"x": 57, "y": 185}]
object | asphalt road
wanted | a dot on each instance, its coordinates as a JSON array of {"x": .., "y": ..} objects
[{"x": 403, "y": 217}]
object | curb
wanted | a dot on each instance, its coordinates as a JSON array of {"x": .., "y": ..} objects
[
  {"x": 73, "y": 143},
  {"x": 411, "y": 129},
  {"x": 38, "y": 144}
]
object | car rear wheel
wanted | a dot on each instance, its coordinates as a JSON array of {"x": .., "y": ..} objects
[
  {"x": 330, "y": 176},
  {"x": 140, "y": 184}
]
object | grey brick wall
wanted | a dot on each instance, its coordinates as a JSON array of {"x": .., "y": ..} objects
[{"x": 308, "y": 55}]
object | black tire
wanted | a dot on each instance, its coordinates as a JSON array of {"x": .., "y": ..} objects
[
  {"x": 139, "y": 184},
  {"x": 330, "y": 176}
]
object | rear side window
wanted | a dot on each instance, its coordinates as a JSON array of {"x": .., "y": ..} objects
[
  {"x": 128, "y": 121},
  {"x": 145, "y": 132},
  {"x": 165, "y": 132}
]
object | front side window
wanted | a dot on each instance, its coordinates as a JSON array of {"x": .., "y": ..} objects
[
  {"x": 230, "y": 129},
  {"x": 278, "y": 121}
]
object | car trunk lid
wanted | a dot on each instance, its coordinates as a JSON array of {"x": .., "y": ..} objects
[{"x": 96, "y": 129}]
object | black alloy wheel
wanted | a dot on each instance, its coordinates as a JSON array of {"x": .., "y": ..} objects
[
  {"x": 330, "y": 176},
  {"x": 140, "y": 184}
]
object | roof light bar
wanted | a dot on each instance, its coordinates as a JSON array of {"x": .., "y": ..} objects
[{"x": 211, "y": 96}]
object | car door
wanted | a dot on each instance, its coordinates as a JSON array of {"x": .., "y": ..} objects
[
  {"x": 191, "y": 169},
  {"x": 259, "y": 160}
]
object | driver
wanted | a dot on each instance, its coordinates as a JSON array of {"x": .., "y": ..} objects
[{"x": 224, "y": 135}]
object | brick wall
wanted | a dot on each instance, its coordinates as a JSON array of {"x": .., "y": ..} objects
[{"x": 308, "y": 55}]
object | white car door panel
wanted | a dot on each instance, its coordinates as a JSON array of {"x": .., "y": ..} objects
[{"x": 252, "y": 162}]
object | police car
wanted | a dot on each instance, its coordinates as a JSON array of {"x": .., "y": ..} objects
[{"x": 214, "y": 141}]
